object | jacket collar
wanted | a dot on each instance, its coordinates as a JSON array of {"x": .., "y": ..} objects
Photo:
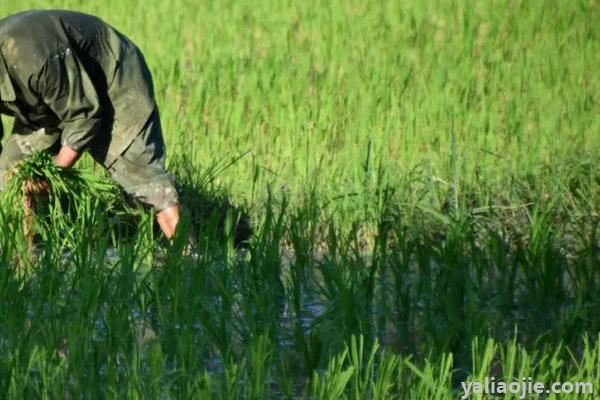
[{"x": 7, "y": 91}]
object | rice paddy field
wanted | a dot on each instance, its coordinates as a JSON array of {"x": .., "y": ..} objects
[{"x": 389, "y": 198}]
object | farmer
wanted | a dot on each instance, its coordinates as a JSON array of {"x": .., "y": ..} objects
[{"x": 75, "y": 84}]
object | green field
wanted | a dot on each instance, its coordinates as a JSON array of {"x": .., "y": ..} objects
[{"x": 422, "y": 183}]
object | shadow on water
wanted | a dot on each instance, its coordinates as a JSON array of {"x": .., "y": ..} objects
[{"x": 211, "y": 210}]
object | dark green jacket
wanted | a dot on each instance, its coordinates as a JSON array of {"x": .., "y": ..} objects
[{"x": 72, "y": 71}]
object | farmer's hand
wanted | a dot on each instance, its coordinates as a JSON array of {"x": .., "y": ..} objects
[{"x": 66, "y": 157}]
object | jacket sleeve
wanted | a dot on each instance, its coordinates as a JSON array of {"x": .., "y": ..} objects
[{"x": 66, "y": 88}]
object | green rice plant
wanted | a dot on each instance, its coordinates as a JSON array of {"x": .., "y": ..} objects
[
  {"x": 260, "y": 278},
  {"x": 77, "y": 183},
  {"x": 433, "y": 378},
  {"x": 332, "y": 384},
  {"x": 304, "y": 239},
  {"x": 260, "y": 356},
  {"x": 73, "y": 195}
]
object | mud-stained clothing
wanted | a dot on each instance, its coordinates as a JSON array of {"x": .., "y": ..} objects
[
  {"x": 70, "y": 78},
  {"x": 140, "y": 169}
]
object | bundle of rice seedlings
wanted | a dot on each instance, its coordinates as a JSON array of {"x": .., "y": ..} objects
[
  {"x": 39, "y": 189},
  {"x": 73, "y": 182}
]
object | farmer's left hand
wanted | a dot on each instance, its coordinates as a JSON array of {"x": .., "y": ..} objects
[{"x": 66, "y": 157}]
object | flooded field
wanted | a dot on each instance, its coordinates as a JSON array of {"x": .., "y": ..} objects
[
  {"x": 264, "y": 321},
  {"x": 389, "y": 199}
]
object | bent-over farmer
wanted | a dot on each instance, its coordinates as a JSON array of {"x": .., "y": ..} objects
[{"x": 75, "y": 84}]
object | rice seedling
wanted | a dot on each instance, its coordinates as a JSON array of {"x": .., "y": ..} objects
[{"x": 50, "y": 201}]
